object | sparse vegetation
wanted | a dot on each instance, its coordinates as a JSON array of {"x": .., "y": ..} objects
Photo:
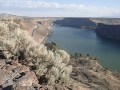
[
  {"x": 52, "y": 46},
  {"x": 53, "y": 65}
]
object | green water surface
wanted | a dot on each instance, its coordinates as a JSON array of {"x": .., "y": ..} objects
[{"x": 86, "y": 41}]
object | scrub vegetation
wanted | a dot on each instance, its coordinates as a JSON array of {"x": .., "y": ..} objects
[{"x": 50, "y": 65}]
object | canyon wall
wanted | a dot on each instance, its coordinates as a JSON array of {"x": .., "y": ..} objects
[
  {"x": 82, "y": 23},
  {"x": 106, "y": 27},
  {"x": 37, "y": 27},
  {"x": 108, "y": 31},
  {"x": 85, "y": 23},
  {"x": 43, "y": 28}
]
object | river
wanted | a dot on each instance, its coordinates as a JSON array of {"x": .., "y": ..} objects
[{"x": 86, "y": 41}]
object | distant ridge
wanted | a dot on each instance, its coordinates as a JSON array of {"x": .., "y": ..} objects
[{"x": 8, "y": 16}]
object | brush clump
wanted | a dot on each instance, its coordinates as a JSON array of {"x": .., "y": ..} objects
[{"x": 50, "y": 66}]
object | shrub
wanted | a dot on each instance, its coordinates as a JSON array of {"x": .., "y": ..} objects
[
  {"x": 65, "y": 56},
  {"x": 52, "y": 65}
]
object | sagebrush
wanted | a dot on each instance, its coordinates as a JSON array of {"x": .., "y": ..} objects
[{"x": 54, "y": 66}]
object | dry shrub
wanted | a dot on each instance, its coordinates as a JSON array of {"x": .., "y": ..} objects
[
  {"x": 53, "y": 65},
  {"x": 65, "y": 56}
]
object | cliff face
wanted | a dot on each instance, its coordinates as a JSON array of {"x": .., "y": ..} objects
[
  {"x": 83, "y": 23},
  {"x": 43, "y": 28},
  {"x": 108, "y": 31},
  {"x": 110, "y": 21},
  {"x": 38, "y": 29},
  {"x": 86, "y": 23}
]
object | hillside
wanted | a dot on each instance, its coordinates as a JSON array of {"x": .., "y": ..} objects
[{"x": 27, "y": 63}]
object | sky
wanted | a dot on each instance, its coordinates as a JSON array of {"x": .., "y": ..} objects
[{"x": 62, "y": 8}]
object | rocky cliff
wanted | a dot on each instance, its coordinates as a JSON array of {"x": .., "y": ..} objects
[
  {"x": 39, "y": 28},
  {"x": 83, "y": 23},
  {"x": 87, "y": 70},
  {"x": 109, "y": 31},
  {"x": 105, "y": 27}
]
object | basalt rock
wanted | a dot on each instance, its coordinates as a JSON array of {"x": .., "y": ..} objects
[
  {"x": 82, "y": 23},
  {"x": 13, "y": 73},
  {"x": 89, "y": 72},
  {"x": 109, "y": 31}
]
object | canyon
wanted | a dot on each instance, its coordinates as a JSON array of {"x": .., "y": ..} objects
[
  {"x": 27, "y": 64},
  {"x": 105, "y": 27}
]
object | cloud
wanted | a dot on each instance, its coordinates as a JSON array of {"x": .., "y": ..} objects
[
  {"x": 35, "y": 4},
  {"x": 77, "y": 9}
]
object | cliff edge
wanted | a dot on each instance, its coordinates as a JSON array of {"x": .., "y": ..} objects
[{"x": 82, "y": 23}]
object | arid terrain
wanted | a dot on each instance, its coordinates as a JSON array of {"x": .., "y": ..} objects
[{"x": 26, "y": 63}]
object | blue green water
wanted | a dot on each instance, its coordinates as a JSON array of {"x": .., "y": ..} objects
[{"x": 86, "y": 41}]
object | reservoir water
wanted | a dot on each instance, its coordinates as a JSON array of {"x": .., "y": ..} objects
[{"x": 86, "y": 41}]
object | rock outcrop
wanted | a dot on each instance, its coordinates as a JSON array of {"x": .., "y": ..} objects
[
  {"x": 109, "y": 21},
  {"x": 87, "y": 74},
  {"x": 82, "y": 23},
  {"x": 13, "y": 74},
  {"x": 110, "y": 31},
  {"x": 87, "y": 70}
]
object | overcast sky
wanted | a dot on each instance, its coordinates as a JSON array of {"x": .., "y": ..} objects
[{"x": 62, "y": 8}]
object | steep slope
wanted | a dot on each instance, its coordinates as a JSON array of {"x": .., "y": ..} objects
[
  {"x": 111, "y": 32},
  {"x": 17, "y": 44},
  {"x": 87, "y": 70}
]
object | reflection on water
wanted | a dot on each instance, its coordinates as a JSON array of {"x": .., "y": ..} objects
[{"x": 86, "y": 41}]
